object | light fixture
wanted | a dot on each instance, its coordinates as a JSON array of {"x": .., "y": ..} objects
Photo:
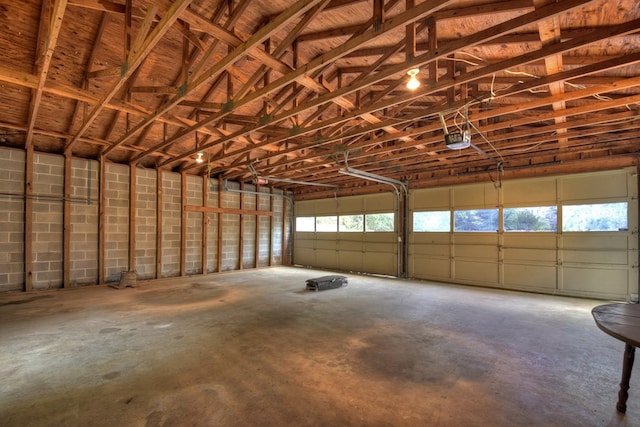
[
  {"x": 413, "y": 82},
  {"x": 199, "y": 157}
]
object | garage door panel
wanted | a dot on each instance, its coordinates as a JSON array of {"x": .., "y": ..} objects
[
  {"x": 326, "y": 258},
  {"x": 539, "y": 191},
  {"x": 476, "y": 251},
  {"x": 326, "y": 244},
  {"x": 530, "y": 276},
  {"x": 381, "y": 263},
  {"x": 596, "y": 257},
  {"x": 540, "y": 255},
  {"x": 432, "y": 250},
  {"x": 350, "y": 260},
  {"x": 431, "y": 198},
  {"x": 594, "y": 186},
  {"x": 305, "y": 256},
  {"x": 305, "y": 244},
  {"x": 349, "y": 245},
  {"x": 476, "y": 272},
  {"x": 605, "y": 282},
  {"x": 432, "y": 268},
  {"x": 595, "y": 240},
  {"x": 381, "y": 247},
  {"x": 533, "y": 240},
  {"x": 379, "y": 237}
]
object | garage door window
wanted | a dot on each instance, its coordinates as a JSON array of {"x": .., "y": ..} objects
[
  {"x": 306, "y": 223},
  {"x": 595, "y": 217},
  {"x": 326, "y": 223},
  {"x": 437, "y": 221},
  {"x": 379, "y": 222},
  {"x": 351, "y": 223},
  {"x": 541, "y": 218},
  {"x": 476, "y": 220}
]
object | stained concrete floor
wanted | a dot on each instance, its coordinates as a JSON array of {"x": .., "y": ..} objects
[{"x": 254, "y": 348}]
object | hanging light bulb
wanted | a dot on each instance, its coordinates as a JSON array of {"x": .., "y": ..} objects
[
  {"x": 413, "y": 82},
  {"x": 199, "y": 158}
]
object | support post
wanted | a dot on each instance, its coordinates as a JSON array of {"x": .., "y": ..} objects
[
  {"x": 183, "y": 224},
  {"x": 205, "y": 222},
  {"x": 132, "y": 217},
  {"x": 66, "y": 226},
  {"x": 28, "y": 220},
  {"x": 101, "y": 220},
  {"x": 159, "y": 224}
]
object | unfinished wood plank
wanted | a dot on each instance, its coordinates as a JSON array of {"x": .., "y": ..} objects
[
  {"x": 183, "y": 224},
  {"x": 159, "y": 228},
  {"x": 220, "y": 222},
  {"x": 205, "y": 222},
  {"x": 230, "y": 211},
  {"x": 47, "y": 39},
  {"x": 132, "y": 218},
  {"x": 132, "y": 63},
  {"x": 241, "y": 230},
  {"x": 66, "y": 223},
  {"x": 102, "y": 221},
  {"x": 28, "y": 219}
]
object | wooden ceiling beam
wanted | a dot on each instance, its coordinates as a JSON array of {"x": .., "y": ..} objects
[
  {"x": 133, "y": 62},
  {"x": 550, "y": 34},
  {"x": 50, "y": 26},
  {"x": 97, "y": 40},
  {"x": 265, "y": 32},
  {"x": 535, "y": 16},
  {"x": 403, "y": 165},
  {"x": 523, "y": 141},
  {"x": 517, "y": 38},
  {"x": 605, "y": 65},
  {"x": 397, "y": 21},
  {"x": 508, "y": 6}
]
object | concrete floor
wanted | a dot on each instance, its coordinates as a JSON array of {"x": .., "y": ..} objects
[{"x": 254, "y": 348}]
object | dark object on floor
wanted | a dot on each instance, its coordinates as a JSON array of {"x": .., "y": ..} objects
[
  {"x": 326, "y": 282},
  {"x": 127, "y": 279}
]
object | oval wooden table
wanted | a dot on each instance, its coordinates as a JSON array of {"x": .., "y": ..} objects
[{"x": 621, "y": 321}]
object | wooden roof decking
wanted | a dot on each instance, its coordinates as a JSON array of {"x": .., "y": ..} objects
[{"x": 291, "y": 90}]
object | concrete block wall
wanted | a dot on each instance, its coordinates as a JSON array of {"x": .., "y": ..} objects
[
  {"x": 85, "y": 208},
  {"x": 146, "y": 214},
  {"x": 231, "y": 229},
  {"x": 171, "y": 223},
  {"x": 264, "y": 239},
  {"x": 279, "y": 206},
  {"x": 84, "y": 265},
  {"x": 48, "y": 195},
  {"x": 116, "y": 234},
  {"x": 283, "y": 231},
  {"x": 249, "y": 241},
  {"x": 12, "y": 176},
  {"x": 194, "y": 226},
  {"x": 212, "y": 228}
]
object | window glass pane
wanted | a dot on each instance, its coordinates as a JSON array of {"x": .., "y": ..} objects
[
  {"x": 541, "y": 218},
  {"x": 305, "y": 223},
  {"x": 351, "y": 223},
  {"x": 379, "y": 222},
  {"x": 596, "y": 217},
  {"x": 432, "y": 221},
  {"x": 326, "y": 223},
  {"x": 476, "y": 220}
]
